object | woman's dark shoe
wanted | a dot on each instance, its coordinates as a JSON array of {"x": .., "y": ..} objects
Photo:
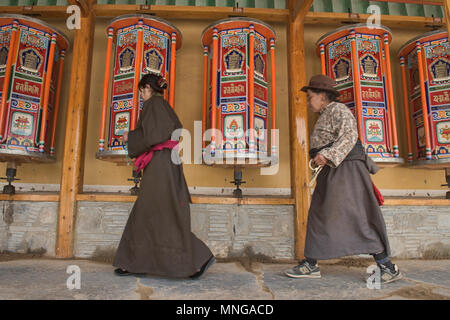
[
  {"x": 203, "y": 269},
  {"x": 122, "y": 272}
]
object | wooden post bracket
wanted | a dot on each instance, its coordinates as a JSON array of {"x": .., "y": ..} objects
[{"x": 85, "y": 5}]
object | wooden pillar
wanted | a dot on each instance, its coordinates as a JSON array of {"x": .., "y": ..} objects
[
  {"x": 298, "y": 120},
  {"x": 75, "y": 136}
]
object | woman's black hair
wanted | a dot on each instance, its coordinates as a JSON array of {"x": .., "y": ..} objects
[
  {"x": 156, "y": 82},
  {"x": 330, "y": 95}
]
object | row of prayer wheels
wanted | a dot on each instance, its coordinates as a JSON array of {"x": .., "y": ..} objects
[
  {"x": 357, "y": 57},
  {"x": 236, "y": 52},
  {"x": 239, "y": 90}
]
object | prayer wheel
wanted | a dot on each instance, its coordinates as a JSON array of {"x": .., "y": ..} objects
[
  {"x": 357, "y": 58},
  {"x": 425, "y": 65},
  {"x": 236, "y": 107},
  {"x": 143, "y": 44},
  {"x": 31, "y": 66}
]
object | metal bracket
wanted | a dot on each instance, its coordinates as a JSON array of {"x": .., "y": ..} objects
[
  {"x": 237, "y": 193},
  {"x": 136, "y": 179}
]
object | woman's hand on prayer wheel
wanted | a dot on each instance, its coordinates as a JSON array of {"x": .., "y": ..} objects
[{"x": 125, "y": 136}]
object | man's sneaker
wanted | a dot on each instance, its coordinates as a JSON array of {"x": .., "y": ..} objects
[
  {"x": 304, "y": 270},
  {"x": 388, "y": 275}
]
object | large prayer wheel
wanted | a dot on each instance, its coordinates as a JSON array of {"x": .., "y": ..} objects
[
  {"x": 237, "y": 53},
  {"x": 425, "y": 64},
  {"x": 31, "y": 66},
  {"x": 357, "y": 58},
  {"x": 143, "y": 44}
]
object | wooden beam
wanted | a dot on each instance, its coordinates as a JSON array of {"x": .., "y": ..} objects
[
  {"x": 416, "y": 202},
  {"x": 191, "y": 12},
  {"x": 106, "y": 197},
  {"x": 75, "y": 135},
  {"x": 196, "y": 199},
  {"x": 301, "y": 9},
  {"x": 216, "y": 13},
  {"x": 36, "y": 197},
  {"x": 298, "y": 129},
  {"x": 385, "y": 20},
  {"x": 36, "y": 11}
]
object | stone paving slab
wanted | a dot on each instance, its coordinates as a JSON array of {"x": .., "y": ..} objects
[
  {"x": 229, "y": 281},
  {"x": 337, "y": 282},
  {"x": 435, "y": 272},
  {"x": 46, "y": 279}
]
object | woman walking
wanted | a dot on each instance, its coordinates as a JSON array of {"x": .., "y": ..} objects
[
  {"x": 157, "y": 238},
  {"x": 344, "y": 217}
]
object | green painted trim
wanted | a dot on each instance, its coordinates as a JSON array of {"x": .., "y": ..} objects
[
  {"x": 446, "y": 86},
  {"x": 27, "y": 77},
  {"x": 124, "y": 76},
  {"x": 260, "y": 82},
  {"x": 372, "y": 84},
  {"x": 231, "y": 79},
  {"x": 344, "y": 86}
]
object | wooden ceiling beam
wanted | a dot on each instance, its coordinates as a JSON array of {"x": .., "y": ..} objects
[
  {"x": 386, "y": 20},
  {"x": 216, "y": 13},
  {"x": 190, "y": 12}
]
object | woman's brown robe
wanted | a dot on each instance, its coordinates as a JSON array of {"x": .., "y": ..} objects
[{"x": 157, "y": 238}]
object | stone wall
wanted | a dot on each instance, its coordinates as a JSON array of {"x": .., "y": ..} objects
[
  {"x": 227, "y": 229},
  {"x": 28, "y": 226},
  {"x": 414, "y": 231},
  {"x": 418, "y": 231}
]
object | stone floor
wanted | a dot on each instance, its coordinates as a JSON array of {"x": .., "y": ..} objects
[{"x": 46, "y": 279}]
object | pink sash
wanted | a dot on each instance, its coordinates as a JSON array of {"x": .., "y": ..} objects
[{"x": 144, "y": 159}]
